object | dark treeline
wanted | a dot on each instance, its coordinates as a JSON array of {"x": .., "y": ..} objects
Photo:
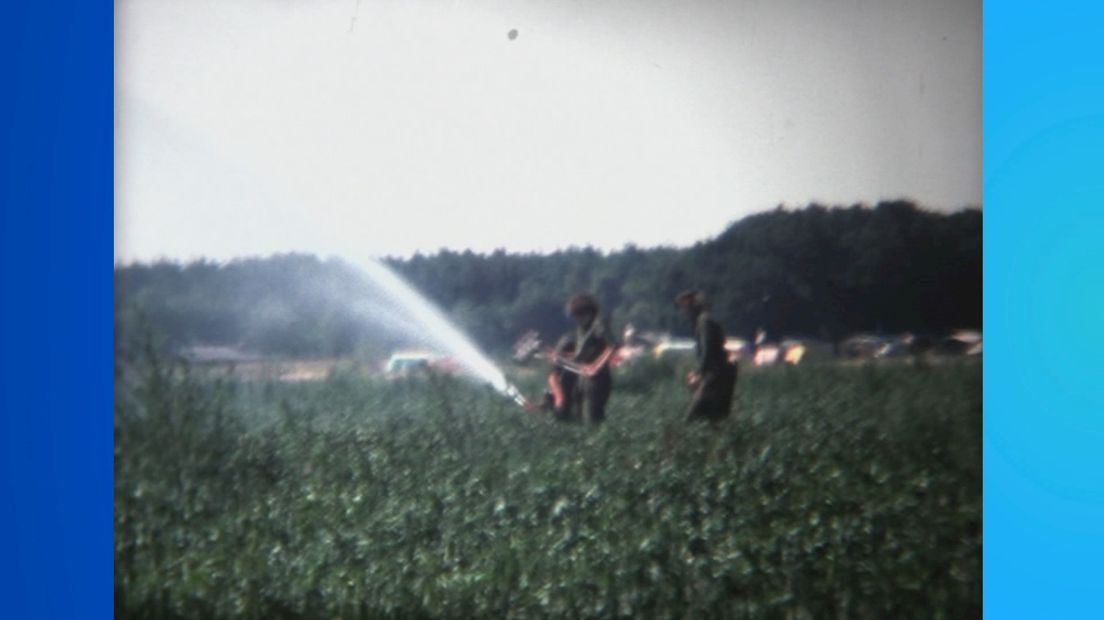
[
  {"x": 814, "y": 272},
  {"x": 277, "y": 305}
]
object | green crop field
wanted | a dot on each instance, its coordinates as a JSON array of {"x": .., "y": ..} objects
[{"x": 833, "y": 492}]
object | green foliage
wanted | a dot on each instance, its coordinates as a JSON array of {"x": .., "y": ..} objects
[
  {"x": 642, "y": 375},
  {"x": 810, "y": 272},
  {"x": 833, "y": 492}
]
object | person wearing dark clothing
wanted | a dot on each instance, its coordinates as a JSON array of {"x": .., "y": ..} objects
[
  {"x": 560, "y": 396},
  {"x": 592, "y": 341},
  {"x": 714, "y": 377}
]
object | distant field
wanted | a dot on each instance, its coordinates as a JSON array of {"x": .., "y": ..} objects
[
  {"x": 293, "y": 370},
  {"x": 834, "y": 491}
]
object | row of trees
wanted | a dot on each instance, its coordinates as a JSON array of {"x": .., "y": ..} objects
[{"x": 817, "y": 271}]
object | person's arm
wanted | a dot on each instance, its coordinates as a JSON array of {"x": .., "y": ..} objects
[{"x": 708, "y": 344}]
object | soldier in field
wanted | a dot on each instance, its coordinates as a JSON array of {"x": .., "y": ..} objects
[{"x": 714, "y": 377}]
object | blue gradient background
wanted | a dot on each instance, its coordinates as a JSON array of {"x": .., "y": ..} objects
[
  {"x": 1044, "y": 310},
  {"x": 55, "y": 310},
  {"x": 1044, "y": 307}
]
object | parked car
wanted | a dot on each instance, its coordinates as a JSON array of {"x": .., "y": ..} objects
[{"x": 673, "y": 346}]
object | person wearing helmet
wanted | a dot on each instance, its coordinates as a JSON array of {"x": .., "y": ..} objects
[
  {"x": 714, "y": 378},
  {"x": 592, "y": 348}
]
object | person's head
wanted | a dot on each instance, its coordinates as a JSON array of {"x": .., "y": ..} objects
[
  {"x": 691, "y": 303},
  {"x": 582, "y": 308}
]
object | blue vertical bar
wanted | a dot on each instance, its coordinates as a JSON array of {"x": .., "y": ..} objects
[
  {"x": 1044, "y": 309},
  {"x": 56, "y": 237}
]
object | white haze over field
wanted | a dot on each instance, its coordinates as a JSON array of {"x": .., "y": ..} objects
[{"x": 360, "y": 128}]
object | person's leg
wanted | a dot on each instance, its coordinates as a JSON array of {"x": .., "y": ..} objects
[
  {"x": 597, "y": 395},
  {"x": 717, "y": 395},
  {"x": 728, "y": 390},
  {"x": 591, "y": 410},
  {"x": 711, "y": 401},
  {"x": 696, "y": 410},
  {"x": 578, "y": 401}
]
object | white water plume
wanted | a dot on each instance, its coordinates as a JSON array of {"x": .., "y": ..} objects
[{"x": 401, "y": 308}]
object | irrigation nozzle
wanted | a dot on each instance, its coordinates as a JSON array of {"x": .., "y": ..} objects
[{"x": 518, "y": 397}]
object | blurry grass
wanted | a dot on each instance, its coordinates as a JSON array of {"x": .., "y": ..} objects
[{"x": 850, "y": 492}]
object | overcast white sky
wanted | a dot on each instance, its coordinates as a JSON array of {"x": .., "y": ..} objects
[{"x": 383, "y": 127}]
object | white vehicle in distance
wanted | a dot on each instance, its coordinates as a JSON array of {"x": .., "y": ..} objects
[{"x": 407, "y": 363}]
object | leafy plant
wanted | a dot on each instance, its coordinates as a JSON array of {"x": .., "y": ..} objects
[{"x": 832, "y": 492}]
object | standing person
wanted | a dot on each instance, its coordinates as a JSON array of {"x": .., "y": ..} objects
[
  {"x": 715, "y": 377},
  {"x": 592, "y": 351}
]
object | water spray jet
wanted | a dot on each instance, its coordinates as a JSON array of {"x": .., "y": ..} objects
[{"x": 425, "y": 318}]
